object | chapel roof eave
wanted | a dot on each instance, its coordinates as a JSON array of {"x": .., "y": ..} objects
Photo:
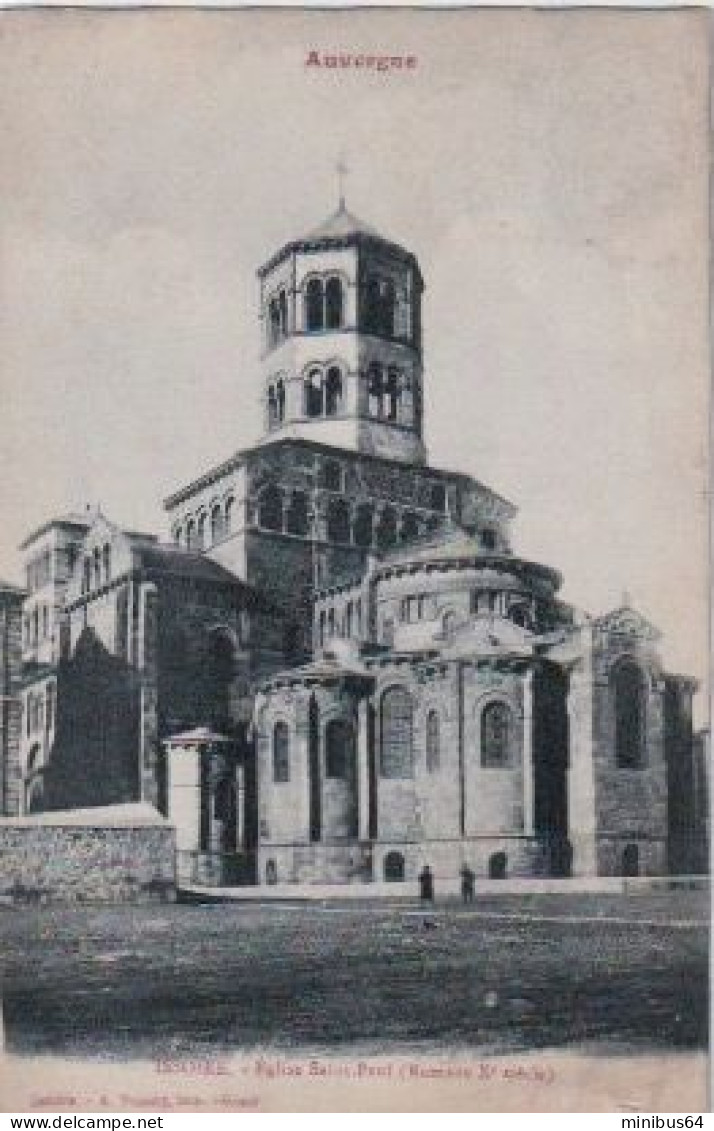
[
  {"x": 318, "y": 674},
  {"x": 478, "y": 559},
  {"x": 240, "y": 457}
]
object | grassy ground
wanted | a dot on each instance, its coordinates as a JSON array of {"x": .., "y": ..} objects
[{"x": 516, "y": 972}]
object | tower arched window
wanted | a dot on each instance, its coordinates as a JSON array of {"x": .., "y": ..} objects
[
  {"x": 86, "y": 575},
  {"x": 281, "y": 752},
  {"x": 297, "y": 520},
  {"x": 496, "y": 735},
  {"x": 349, "y": 618},
  {"x": 280, "y": 400},
  {"x": 333, "y": 303},
  {"x": 107, "y": 556},
  {"x": 314, "y": 305},
  {"x": 392, "y": 394},
  {"x": 380, "y": 306},
  {"x": 397, "y": 726},
  {"x": 630, "y": 715},
  {"x": 433, "y": 754},
  {"x": 283, "y": 314},
  {"x": 272, "y": 407},
  {"x": 270, "y": 512},
  {"x": 314, "y": 393},
  {"x": 216, "y": 522},
  {"x": 338, "y": 521},
  {"x": 277, "y": 318},
  {"x": 333, "y": 391},
  {"x": 228, "y": 514},
  {"x": 97, "y": 566},
  {"x": 375, "y": 391},
  {"x": 322, "y": 627}
]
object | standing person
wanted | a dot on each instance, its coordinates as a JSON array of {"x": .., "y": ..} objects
[
  {"x": 426, "y": 884},
  {"x": 467, "y": 884}
]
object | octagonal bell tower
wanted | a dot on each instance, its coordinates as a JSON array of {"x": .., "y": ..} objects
[{"x": 342, "y": 352}]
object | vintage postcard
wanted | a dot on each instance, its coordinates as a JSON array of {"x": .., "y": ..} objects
[{"x": 354, "y": 743}]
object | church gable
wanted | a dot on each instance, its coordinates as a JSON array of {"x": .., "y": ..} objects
[{"x": 627, "y": 624}]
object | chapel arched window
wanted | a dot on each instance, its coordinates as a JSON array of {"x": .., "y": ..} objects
[
  {"x": 488, "y": 539},
  {"x": 630, "y": 715},
  {"x": 190, "y": 534},
  {"x": 107, "y": 562},
  {"x": 364, "y": 521},
  {"x": 201, "y": 531},
  {"x": 410, "y": 527},
  {"x": 97, "y": 566},
  {"x": 228, "y": 514},
  {"x": 331, "y": 475},
  {"x": 281, "y": 752},
  {"x": 298, "y": 521},
  {"x": 397, "y": 725},
  {"x": 339, "y": 749},
  {"x": 216, "y": 523},
  {"x": 433, "y": 754},
  {"x": 270, "y": 511},
  {"x": 496, "y": 735},
  {"x": 338, "y": 521},
  {"x": 387, "y": 529}
]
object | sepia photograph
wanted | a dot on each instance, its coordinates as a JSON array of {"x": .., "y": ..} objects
[{"x": 354, "y": 612}]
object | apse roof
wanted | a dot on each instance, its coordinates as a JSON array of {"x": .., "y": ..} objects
[{"x": 451, "y": 543}]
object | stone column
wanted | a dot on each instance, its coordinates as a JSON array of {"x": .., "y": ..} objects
[
  {"x": 184, "y": 802},
  {"x": 363, "y": 769},
  {"x": 528, "y": 781},
  {"x": 147, "y": 662},
  {"x": 301, "y": 762},
  {"x": 581, "y": 775}
]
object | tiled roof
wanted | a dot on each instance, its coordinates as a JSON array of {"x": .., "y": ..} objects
[{"x": 340, "y": 224}]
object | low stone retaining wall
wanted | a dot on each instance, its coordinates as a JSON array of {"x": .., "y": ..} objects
[{"x": 116, "y": 854}]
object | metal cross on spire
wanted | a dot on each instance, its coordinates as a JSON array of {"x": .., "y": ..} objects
[{"x": 342, "y": 172}]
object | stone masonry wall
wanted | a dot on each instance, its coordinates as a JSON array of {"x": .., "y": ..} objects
[
  {"x": 41, "y": 863},
  {"x": 10, "y": 712}
]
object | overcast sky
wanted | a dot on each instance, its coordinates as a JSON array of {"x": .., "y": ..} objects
[{"x": 549, "y": 170}]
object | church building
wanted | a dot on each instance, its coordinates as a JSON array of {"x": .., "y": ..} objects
[{"x": 337, "y": 669}]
